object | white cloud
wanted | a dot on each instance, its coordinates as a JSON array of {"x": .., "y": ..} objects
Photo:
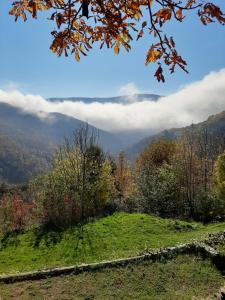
[
  {"x": 130, "y": 91},
  {"x": 10, "y": 86},
  {"x": 193, "y": 103}
]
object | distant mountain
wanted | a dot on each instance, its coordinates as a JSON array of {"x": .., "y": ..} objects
[
  {"x": 119, "y": 99},
  {"x": 127, "y": 137},
  {"x": 215, "y": 125},
  {"x": 28, "y": 141}
]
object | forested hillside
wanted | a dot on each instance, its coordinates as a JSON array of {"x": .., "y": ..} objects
[
  {"x": 29, "y": 141},
  {"x": 214, "y": 124},
  {"x": 18, "y": 164}
]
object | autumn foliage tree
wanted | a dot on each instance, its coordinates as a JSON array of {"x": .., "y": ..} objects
[
  {"x": 79, "y": 184},
  {"x": 116, "y": 23},
  {"x": 156, "y": 178},
  {"x": 158, "y": 153},
  {"x": 176, "y": 179},
  {"x": 124, "y": 181},
  {"x": 194, "y": 162},
  {"x": 15, "y": 213}
]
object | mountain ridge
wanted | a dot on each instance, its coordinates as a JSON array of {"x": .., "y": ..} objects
[
  {"x": 115, "y": 99},
  {"x": 214, "y": 123}
]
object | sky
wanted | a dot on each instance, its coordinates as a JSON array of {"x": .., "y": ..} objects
[{"x": 27, "y": 65}]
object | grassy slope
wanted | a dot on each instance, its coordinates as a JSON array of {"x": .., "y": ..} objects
[
  {"x": 186, "y": 277},
  {"x": 117, "y": 236}
]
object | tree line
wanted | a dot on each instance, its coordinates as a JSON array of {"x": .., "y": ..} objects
[{"x": 182, "y": 179}]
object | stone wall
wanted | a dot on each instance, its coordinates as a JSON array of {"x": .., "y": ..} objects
[{"x": 198, "y": 248}]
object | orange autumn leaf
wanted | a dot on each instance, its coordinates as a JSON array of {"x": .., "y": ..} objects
[
  {"x": 152, "y": 55},
  {"x": 116, "y": 49},
  {"x": 77, "y": 56},
  {"x": 179, "y": 14}
]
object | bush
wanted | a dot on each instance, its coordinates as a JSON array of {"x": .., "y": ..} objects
[
  {"x": 157, "y": 188},
  {"x": 207, "y": 207},
  {"x": 15, "y": 214}
]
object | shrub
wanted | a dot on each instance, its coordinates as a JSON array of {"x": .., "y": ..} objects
[
  {"x": 157, "y": 188},
  {"x": 208, "y": 207},
  {"x": 15, "y": 214}
]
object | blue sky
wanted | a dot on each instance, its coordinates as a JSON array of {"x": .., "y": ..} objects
[{"x": 29, "y": 65}]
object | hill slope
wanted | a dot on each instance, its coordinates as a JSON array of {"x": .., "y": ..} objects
[
  {"x": 19, "y": 163},
  {"x": 27, "y": 141},
  {"x": 118, "y": 236},
  {"x": 215, "y": 124}
]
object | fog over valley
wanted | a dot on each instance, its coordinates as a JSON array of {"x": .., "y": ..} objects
[{"x": 135, "y": 112}]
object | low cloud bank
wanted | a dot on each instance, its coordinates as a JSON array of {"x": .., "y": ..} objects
[{"x": 193, "y": 103}]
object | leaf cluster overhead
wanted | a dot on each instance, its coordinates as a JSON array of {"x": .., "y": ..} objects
[{"x": 115, "y": 23}]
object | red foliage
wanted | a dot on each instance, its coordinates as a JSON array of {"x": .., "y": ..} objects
[{"x": 16, "y": 213}]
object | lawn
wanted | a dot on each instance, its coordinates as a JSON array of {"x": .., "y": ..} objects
[
  {"x": 185, "y": 277},
  {"x": 117, "y": 236}
]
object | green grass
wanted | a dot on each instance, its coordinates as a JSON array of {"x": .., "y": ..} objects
[
  {"x": 183, "y": 278},
  {"x": 117, "y": 236}
]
